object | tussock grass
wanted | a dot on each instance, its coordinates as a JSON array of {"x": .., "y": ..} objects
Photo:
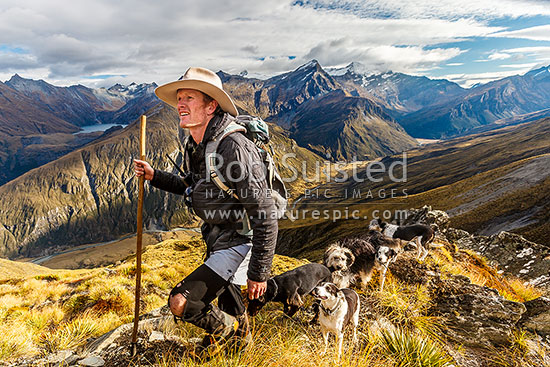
[
  {"x": 474, "y": 266},
  {"x": 71, "y": 334},
  {"x": 407, "y": 349},
  {"x": 43, "y": 314},
  {"x": 407, "y": 306}
]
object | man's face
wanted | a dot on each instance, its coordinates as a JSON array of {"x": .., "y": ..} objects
[{"x": 192, "y": 109}]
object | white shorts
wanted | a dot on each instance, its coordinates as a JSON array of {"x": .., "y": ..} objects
[{"x": 231, "y": 263}]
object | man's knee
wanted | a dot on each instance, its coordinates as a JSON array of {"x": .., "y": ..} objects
[{"x": 177, "y": 304}]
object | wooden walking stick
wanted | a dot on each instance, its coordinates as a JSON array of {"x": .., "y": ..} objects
[{"x": 139, "y": 236}]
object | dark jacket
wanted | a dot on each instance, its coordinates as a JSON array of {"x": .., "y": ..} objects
[{"x": 221, "y": 212}]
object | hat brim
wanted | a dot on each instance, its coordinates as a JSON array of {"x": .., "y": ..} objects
[{"x": 168, "y": 93}]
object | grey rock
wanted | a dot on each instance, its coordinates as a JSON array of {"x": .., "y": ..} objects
[
  {"x": 454, "y": 234},
  {"x": 428, "y": 216},
  {"x": 92, "y": 361},
  {"x": 514, "y": 254},
  {"x": 156, "y": 336},
  {"x": 60, "y": 356},
  {"x": 474, "y": 315},
  {"x": 537, "y": 316}
]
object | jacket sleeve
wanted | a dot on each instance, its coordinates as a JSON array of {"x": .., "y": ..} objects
[
  {"x": 168, "y": 182},
  {"x": 244, "y": 171}
]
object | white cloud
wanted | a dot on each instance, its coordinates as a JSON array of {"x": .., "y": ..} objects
[
  {"x": 68, "y": 41},
  {"x": 538, "y": 33},
  {"x": 528, "y": 66},
  {"x": 541, "y": 53},
  {"x": 499, "y": 56},
  {"x": 468, "y": 80},
  {"x": 148, "y": 42},
  {"x": 427, "y": 9}
]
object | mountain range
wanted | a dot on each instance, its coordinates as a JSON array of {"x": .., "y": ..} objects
[
  {"x": 86, "y": 191},
  {"x": 38, "y": 121},
  {"x": 482, "y": 106}
]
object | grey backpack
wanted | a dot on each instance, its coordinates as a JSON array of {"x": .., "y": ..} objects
[{"x": 255, "y": 129}]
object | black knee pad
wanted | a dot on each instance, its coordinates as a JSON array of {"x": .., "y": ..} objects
[
  {"x": 199, "y": 289},
  {"x": 192, "y": 310}
]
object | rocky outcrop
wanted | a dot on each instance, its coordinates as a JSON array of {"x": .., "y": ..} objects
[
  {"x": 537, "y": 316},
  {"x": 514, "y": 254},
  {"x": 474, "y": 316},
  {"x": 428, "y": 216}
]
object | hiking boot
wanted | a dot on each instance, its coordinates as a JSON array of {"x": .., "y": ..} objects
[
  {"x": 243, "y": 336},
  {"x": 210, "y": 346},
  {"x": 220, "y": 328}
]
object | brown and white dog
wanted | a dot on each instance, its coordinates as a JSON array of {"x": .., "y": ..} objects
[
  {"x": 422, "y": 235},
  {"x": 339, "y": 309},
  {"x": 356, "y": 257}
]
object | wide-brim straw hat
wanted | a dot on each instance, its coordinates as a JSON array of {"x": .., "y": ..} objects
[{"x": 202, "y": 80}]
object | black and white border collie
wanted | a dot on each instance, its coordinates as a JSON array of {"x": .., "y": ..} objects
[
  {"x": 339, "y": 308},
  {"x": 355, "y": 258},
  {"x": 421, "y": 233},
  {"x": 289, "y": 288}
]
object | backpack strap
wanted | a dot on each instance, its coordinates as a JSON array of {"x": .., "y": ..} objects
[
  {"x": 210, "y": 156},
  {"x": 186, "y": 159}
]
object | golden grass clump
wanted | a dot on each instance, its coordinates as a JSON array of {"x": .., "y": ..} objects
[
  {"x": 77, "y": 305},
  {"x": 407, "y": 349},
  {"x": 474, "y": 266},
  {"x": 71, "y": 334},
  {"x": 407, "y": 306}
]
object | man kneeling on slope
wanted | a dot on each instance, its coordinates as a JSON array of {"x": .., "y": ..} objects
[{"x": 237, "y": 253}]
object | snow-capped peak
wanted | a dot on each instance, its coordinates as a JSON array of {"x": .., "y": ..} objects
[{"x": 355, "y": 67}]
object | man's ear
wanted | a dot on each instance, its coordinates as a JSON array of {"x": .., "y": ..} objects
[{"x": 212, "y": 105}]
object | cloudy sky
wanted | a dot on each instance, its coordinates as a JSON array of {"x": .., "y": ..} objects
[{"x": 101, "y": 42}]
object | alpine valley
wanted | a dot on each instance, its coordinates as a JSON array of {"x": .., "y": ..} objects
[
  {"x": 62, "y": 187},
  {"x": 474, "y": 164}
]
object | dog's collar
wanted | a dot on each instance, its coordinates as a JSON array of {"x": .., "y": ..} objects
[{"x": 333, "y": 310}]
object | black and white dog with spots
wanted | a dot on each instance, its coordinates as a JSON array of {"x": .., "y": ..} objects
[
  {"x": 355, "y": 258},
  {"x": 339, "y": 309},
  {"x": 422, "y": 234}
]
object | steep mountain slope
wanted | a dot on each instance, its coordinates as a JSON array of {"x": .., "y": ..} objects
[
  {"x": 489, "y": 182},
  {"x": 20, "y": 115},
  {"x": 38, "y": 120},
  {"x": 90, "y": 195},
  {"x": 276, "y": 98},
  {"x": 138, "y": 98},
  {"x": 482, "y": 105},
  {"x": 20, "y": 154},
  {"x": 402, "y": 93},
  {"x": 320, "y": 113},
  {"x": 76, "y": 104},
  {"x": 347, "y": 128}
]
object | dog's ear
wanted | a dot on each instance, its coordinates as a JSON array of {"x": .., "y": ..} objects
[
  {"x": 329, "y": 252},
  {"x": 350, "y": 257},
  {"x": 271, "y": 291},
  {"x": 332, "y": 288}
]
